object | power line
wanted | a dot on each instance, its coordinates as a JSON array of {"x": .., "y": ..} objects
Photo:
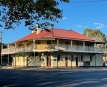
[
  {"x": 5, "y": 37},
  {"x": 84, "y": 2},
  {"x": 89, "y": 1}
]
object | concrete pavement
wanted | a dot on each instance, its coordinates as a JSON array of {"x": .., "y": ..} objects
[
  {"x": 57, "y": 69},
  {"x": 53, "y": 78}
]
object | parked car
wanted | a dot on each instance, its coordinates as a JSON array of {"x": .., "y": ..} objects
[{"x": 104, "y": 63}]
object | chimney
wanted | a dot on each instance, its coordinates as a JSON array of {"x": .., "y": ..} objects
[{"x": 37, "y": 29}]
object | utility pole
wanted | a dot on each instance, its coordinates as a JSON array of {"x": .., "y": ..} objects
[{"x": 1, "y": 46}]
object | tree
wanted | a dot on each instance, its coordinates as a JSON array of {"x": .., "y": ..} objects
[
  {"x": 95, "y": 34},
  {"x": 13, "y": 11}
]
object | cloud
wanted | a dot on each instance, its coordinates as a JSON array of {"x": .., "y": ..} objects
[
  {"x": 80, "y": 26},
  {"x": 106, "y": 26},
  {"x": 99, "y": 25},
  {"x": 64, "y": 18},
  {"x": 96, "y": 23}
]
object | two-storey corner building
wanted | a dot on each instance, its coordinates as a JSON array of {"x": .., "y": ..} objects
[{"x": 53, "y": 48}]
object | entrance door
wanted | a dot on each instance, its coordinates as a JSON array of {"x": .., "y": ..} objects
[
  {"x": 76, "y": 61},
  {"x": 67, "y": 45},
  {"x": 66, "y": 61},
  {"x": 48, "y": 61}
]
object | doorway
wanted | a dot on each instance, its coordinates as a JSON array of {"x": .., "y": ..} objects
[
  {"x": 48, "y": 61},
  {"x": 66, "y": 61},
  {"x": 76, "y": 61},
  {"x": 67, "y": 46}
]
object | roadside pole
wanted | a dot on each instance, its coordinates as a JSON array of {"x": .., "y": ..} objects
[
  {"x": 95, "y": 60},
  {"x": 8, "y": 60},
  {"x": 83, "y": 60},
  {"x": 1, "y": 46},
  {"x": 71, "y": 60},
  {"x": 57, "y": 59},
  {"x": 8, "y": 56}
]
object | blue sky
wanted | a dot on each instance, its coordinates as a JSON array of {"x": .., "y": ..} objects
[{"x": 77, "y": 15}]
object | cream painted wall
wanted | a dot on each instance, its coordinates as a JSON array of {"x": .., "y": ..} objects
[
  {"x": 86, "y": 57},
  {"x": 99, "y": 60},
  {"x": 19, "y": 61},
  {"x": 80, "y": 63},
  {"x": 25, "y": 43},
  {"x": 42, "y": 45},
  {"x": 62, "y": 61}
]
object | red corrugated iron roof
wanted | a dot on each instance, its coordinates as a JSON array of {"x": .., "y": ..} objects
[{"x": 56, "y": 33}]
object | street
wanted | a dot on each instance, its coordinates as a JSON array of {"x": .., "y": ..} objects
[{"x": 53, "y": 78}]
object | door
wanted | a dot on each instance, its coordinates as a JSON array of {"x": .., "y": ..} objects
[
  {"x": 77, "y": 46},
  {"x": 66, "y": 61},
  {"x": 88, "y": 47},
  {"x": 48, "y": 61},
  {"x": 76, "y": 61},
  {"x": 49, "y": 44},
  {"x": 67, "y": 45}
]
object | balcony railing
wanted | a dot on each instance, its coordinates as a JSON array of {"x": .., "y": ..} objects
[
  {"x": 44, "y": 47},
  {"x": 24, "y": 49}
]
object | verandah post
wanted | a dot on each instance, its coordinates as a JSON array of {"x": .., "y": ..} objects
[
  {"x": 34, "y": 50},
  {"x": 8, "y": 54},
  {"x": 71, "y": 60},
  {"x": 95, "y": 60},
  {"x": 57, "y": 51}
]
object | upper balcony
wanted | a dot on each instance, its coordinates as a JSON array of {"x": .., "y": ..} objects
[{"x": 53, "y": 47}]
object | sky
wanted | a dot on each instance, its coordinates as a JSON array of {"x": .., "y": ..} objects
[{"x": 77, "y": 15}]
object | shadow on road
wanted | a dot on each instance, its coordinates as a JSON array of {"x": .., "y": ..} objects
[{"x": 25, "y": 78}]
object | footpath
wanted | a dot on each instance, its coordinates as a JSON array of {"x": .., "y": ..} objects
[{"x": 55, "y": 69}]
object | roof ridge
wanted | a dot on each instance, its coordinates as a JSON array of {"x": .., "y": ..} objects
[
  {"x": 56, "y": 33},
  {"x": 57, "y": 28},
  {"x": 71, "y": 30}
]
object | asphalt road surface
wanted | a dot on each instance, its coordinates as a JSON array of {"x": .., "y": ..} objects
[{"x": 53, "y": 78}]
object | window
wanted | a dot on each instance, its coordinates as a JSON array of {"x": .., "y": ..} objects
[
  {"x": 48, "y": 42},
  {"x": 54, "y": 59},
  {"x": 4, "y": 46},
  {"x": 88, "y": 44},
  {"x": 81, "y": 58},
  {"x": 88, "y": 47},
  {"x": 72, "y": 58},
  {"x": 28, "y": 44},
  {"x": 38, "y": 42},
  {"x": 66, "y": 43},
  {"x": 77, "y": 43},
  {"x": 42, "y": 59},
  {"x": 77, "y": 47},
  {"x": 61, "y": 59},
  {"x": 58, "y": 57},
  {"x": 90, "y": 58}
]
